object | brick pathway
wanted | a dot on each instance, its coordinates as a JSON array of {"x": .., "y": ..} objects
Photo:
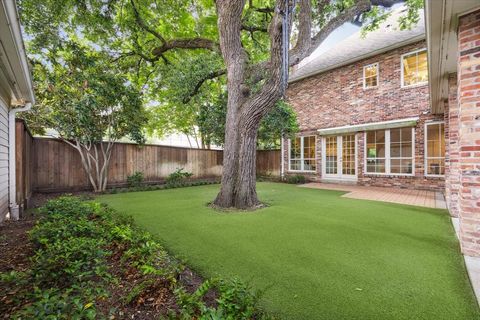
[{"x": 423, "y": 198}]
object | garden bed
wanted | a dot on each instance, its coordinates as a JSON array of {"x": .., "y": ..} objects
[{"x": 81, "y": 260}]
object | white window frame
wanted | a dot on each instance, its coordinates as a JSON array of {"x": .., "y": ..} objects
[
  {"x": 302, "y": 156},
  {"x": 401, "y": 70},
  {"x": 388, "y": 159},
  {"x": 425, "y": 150},
  {"x": 378, "y": 78}
]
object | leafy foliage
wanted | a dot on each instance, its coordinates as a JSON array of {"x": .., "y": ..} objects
[
  {"x": 282, "y": 120},
  {"x": 177, "y": 177},
  {"x": 135, "y": 179},
  {"x": 295, "y": 179},
  {"x": 83, "y": 96},
  {"x": 178, "y": 83},
  {"x": 70, "y": 270}
]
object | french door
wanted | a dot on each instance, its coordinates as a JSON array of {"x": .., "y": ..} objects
[{"x": 339, "y": 157}]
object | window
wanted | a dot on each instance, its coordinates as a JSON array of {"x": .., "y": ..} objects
[
  {"x": 401, "y": 151},
  {"x": 414, "y": 68},
  {"x": 376, "y": 151},
  {"x": 390, "y": 151},
  {"x": 370, "y": 76},
  {"x": 435, "y": 149},
  {"x": 302, "y": 154}
]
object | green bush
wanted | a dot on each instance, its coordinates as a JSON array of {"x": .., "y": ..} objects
[
  {"x": 177, "y": 178},
  {"x": 136, "y": 179},
  {"x": 295, "y": 179},
  {"x": 69, "y": 270}
]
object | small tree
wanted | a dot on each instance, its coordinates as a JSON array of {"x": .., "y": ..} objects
[{"x": 89, "y": 105}]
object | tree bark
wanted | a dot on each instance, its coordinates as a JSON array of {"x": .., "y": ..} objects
[{"x": 244, "y": 110}]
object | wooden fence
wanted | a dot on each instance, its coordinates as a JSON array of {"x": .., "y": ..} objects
[{"x": 56, "y": 166}]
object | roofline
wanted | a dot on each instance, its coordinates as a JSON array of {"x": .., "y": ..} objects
[
  {"x": 13, "y": 19},
  {"x": 358, "y": 58}
]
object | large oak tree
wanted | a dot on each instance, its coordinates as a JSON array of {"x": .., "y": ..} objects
[{"x": 245, "y": 42}]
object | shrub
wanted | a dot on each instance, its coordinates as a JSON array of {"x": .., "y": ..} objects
[
  {"x": 136, "y": 179},
  {"x": 69, "y": 271},
  {"x": 296, "y": 179},
  {"x": 177, "y": 178}
]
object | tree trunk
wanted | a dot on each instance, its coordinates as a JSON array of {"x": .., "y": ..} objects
[{"x": 244, "y": 109}]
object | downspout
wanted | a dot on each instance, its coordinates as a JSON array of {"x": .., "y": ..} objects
[
  {"x": 282, "y": 174},
  {"x": 14, "y": 209}
]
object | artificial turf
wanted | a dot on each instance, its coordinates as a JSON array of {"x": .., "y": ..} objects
[{"x": 315, "y": 254}]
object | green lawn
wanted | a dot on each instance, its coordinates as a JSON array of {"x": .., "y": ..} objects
[{"x": 317, "y": 255}]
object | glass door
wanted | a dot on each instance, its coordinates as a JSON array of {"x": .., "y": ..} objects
[{"x": 339, "y": 157}]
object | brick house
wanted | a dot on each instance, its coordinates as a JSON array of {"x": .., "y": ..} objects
[{"x": 386, "y": 110}]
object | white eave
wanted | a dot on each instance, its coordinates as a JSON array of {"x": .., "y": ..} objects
[
  {"x": 15, "y": 78},
  {"x": 441, "y": 17},
  {"x": 398, "y": 123}
]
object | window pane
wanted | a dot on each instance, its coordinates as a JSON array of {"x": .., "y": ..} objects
[
  {"x": 295, "y": 164},
  {"x": 370, "y": 76},
  {"x": 406, "y": 166},
  {"x": 415, "y": 68},
  {"x": 395, "y": 135},
  {"x": 435, "y": 149},
  {"x": 309, "y": 147},
  {"x": 331, "y": 155},
  {"x": 309, "y": 165},
  {"x": 376, "y": 166},
  {"x": 295, "y": 148},
  {"x": 435, "y": 166},
  {"x": 406, "y": 134}
]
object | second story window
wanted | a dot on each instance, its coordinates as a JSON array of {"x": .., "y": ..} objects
[
  {"x": 370, "y": 76},
  {"x": 414, "y": 68}
]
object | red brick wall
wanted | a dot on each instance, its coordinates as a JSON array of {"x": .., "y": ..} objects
[
  {"x": 452, "y": 172},
  {"x": 337, "y": 98},
  {"x": 469, "y": 132}
]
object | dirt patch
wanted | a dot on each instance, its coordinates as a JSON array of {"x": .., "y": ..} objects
[{"x": 15, "y": 248}]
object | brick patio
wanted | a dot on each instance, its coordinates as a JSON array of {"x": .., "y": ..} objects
[{"x": 423, "y": 198}]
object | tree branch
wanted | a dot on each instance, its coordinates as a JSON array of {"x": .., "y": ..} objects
[
  {"x": 210, "y": 76},
  {"x": 252, "y": 29},
  {"x": 192, "y": 43},
  {"x": 144, "y": 25}
]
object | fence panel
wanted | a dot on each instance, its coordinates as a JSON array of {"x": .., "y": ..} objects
[{"x": 57, "y": 166}]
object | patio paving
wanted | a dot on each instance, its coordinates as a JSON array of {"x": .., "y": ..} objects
[{"x": 422, "y": 198}]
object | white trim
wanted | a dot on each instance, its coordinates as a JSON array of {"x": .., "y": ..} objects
[
  {"x": 425, "y": 150},
  {"x": 419, "y": 84},
  {"x": 365, "y": 126},
  {"x": 388, "y": 158},
  {"x": 339, "y": 176},
  {"x": 302, "y": 158},
  {"x": 377, "y": 75}
]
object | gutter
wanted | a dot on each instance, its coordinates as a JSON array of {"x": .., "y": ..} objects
[{"x": 12, "y": 168}]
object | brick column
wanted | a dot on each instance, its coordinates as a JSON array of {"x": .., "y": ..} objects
[
  {"x": 452, "y": 170},
  {"x": 469, "y": 132}
]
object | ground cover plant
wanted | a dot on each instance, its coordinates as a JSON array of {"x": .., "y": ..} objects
[
  {"x": 314, "y": 254},
  {"x": 89, "y": 262}
]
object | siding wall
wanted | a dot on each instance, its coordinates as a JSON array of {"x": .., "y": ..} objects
[{"x": 3, "y": 160}]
